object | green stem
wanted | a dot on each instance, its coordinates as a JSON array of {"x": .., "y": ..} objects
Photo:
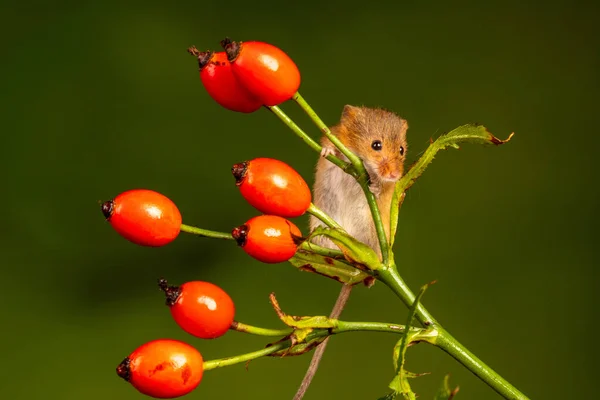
[
  {"x": 224, "y": 362},
  {"x": 255, "y": 330},
  {"x": 347, "y": 326},
  {"x": 394, "y": 281},
  {"x": 445, "y": 341},
  {"x": 383, "y": 242},
  {"x": 460, "y": 353},
  {"x": 205, "y": 232},
  {"x": 325, "y": 130},
  {"x": 307, "y": 139},
  {"x": 361, "y": 174},
  {"x": 320, "y": 214},
  {"x": 341, "y": 327},
  {"x": 323, "y": 251}
]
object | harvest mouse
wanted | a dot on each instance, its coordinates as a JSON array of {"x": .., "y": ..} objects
[{"x": 378, "y": 138}]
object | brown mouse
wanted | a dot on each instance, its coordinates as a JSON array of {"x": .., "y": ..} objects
[{"x": 378, "y": 138}]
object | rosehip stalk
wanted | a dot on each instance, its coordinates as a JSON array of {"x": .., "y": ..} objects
[
  {"x": 324, "y": 251},
  {"x": 326, "y": 219},
  {"x": 307, "y": 139},
  {"x": 205, "y": 232},
  {"x": 325, "y": 129},
  {"x": 255, "y": 330}
]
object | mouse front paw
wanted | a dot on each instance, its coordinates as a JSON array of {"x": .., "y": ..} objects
[
  {"x": 375, "y": 189},
  {"x": 327, "y": 150}
]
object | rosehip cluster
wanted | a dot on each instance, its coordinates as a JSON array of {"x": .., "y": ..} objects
[
  {"x": 243, "y": 78},
  {"x": 247, "y": 75},
  {"x": 148, "y": 218},
  {"x": 277, "y": 190},
  {"x": 168, "y": 368}
]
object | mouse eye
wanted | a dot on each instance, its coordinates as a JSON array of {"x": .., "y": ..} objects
[
  {"x": 376, "y": 145},
  {"x": 401, "y": 150}
]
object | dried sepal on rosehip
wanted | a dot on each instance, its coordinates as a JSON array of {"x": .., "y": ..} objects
[
  {"x": 266, "y": 71},
  {"x": 163, "y": 368},
  {"x": 268, "y": 238},
  {"x": 221, "y": 84},
  {"x": 144, "y": 217},
  {"x": 200, "y": 308},
  {"x": 272, "y": 187}
]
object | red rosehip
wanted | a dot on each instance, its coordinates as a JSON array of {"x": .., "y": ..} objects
[
  {"x": 266, "y": 71},
  {"x": 268, "y": 238},
  {"x": 221, "y": 84},
  {"x": 144, "y": 217},
  {"x": 200, "y": 308},
  {"x": 272, "y": 187},
  {"x": 163, "y": 368}
]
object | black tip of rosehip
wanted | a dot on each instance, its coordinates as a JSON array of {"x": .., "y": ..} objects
[
  {"x": 231, "y": 48},
  {"x": 202, "y": 56},
  {"x": 108, "y": 208},
  {"x": 298, "y": 240},
  {"x": 240, "y": 234},
  {"x": 193, "y": 51},
  {"x": 124, "y": 370},
  {"x": 171, "y": 292},
  {"x": 225, "y": 42},
  {"x": 239, "y": 172}
]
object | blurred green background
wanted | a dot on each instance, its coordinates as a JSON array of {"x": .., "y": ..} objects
[{"x": 101, "y": 97}]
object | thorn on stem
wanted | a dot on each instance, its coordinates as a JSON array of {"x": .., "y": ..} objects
[
  {"x": 275, "y": 304},
  {"x": 453, "y": 393}
]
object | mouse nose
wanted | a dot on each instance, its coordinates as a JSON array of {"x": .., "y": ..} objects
[
  {"x": 394, "y": 175},
  {"x": 390, "y": 171}
]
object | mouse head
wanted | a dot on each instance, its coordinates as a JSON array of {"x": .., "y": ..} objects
[{"x": 378, "y": 138}]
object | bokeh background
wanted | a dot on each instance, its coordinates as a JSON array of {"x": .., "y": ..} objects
[{"x": 101, "y": 97}]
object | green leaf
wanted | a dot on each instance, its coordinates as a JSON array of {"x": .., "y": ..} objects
[
  {"x": 397, "y": 200},
  {"x": 329, "y": 267},
  {"x": 357, "y": 253},
  {"x": 445, "y": 393},
  {"x": 389, "y": 396},
  {"x": 477, "y": 134},
  {"x": 299, "y": 322},
  {"x": 401, "y": 386}
]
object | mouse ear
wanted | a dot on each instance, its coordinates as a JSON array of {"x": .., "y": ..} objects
[
  {"x": 404, "y": 124},
  {"x": 350, "y": 112}
]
